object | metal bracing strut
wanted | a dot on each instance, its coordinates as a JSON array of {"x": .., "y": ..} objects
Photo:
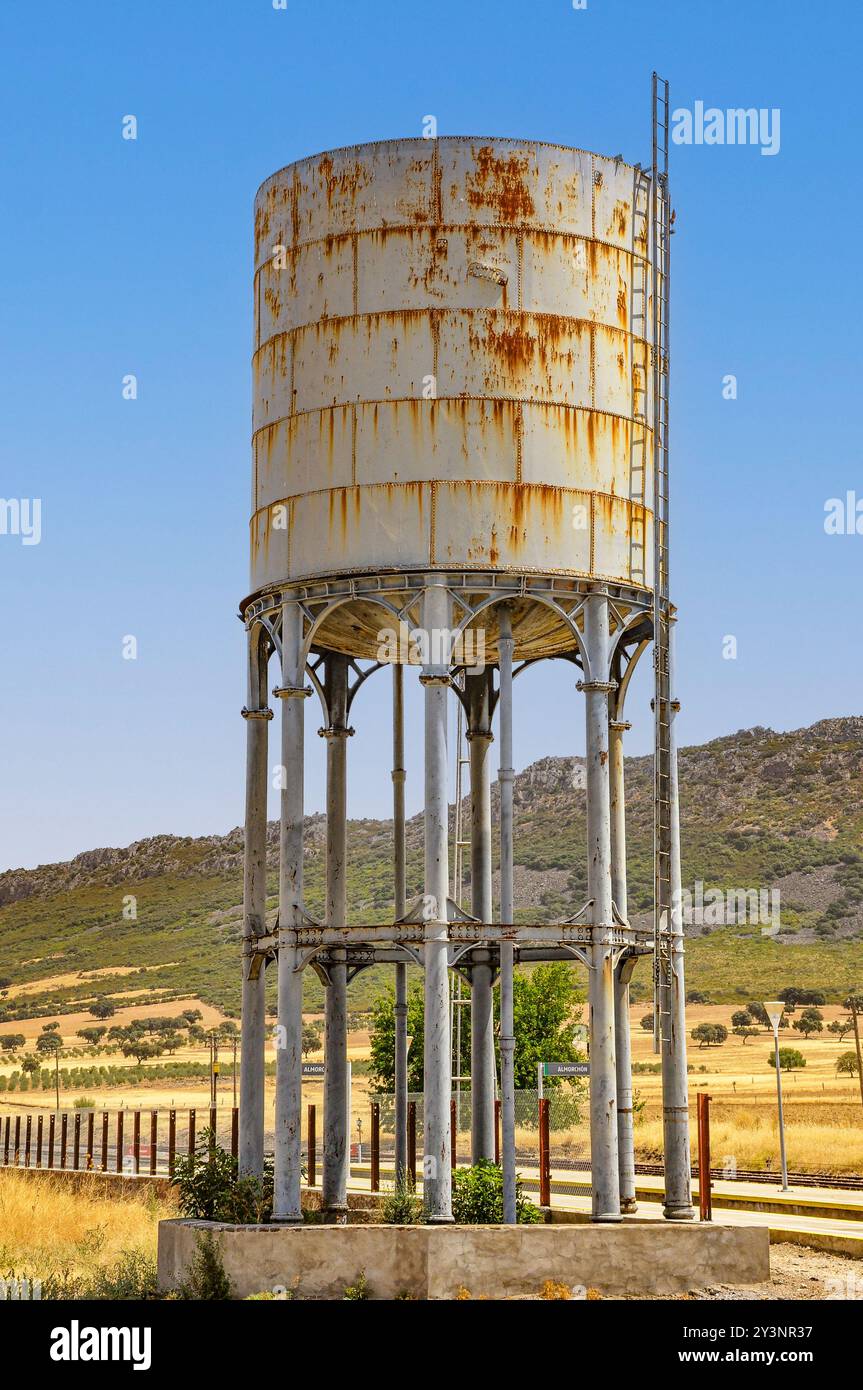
[{"x": 662, "y": 809}]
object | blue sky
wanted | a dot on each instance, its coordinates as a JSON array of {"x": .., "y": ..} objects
[{"x": 135, "y": 257}]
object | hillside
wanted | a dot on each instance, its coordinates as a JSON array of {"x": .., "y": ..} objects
[{"x": 759, "y": 810}]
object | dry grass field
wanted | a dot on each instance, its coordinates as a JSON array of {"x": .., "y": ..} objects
[
  {"x": 67, "y": 1239},
  {"x": 824, "y": 1116}
]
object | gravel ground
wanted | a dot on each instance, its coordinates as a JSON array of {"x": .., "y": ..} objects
[{"x": 797, "y": 1273}]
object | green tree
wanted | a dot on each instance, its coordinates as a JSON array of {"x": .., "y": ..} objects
[
  {"x": 758, "y": 1013},
  {"x": 10, "y": 1042},
  {"x": 810, "y": 1021},
  {"x": 383, "y": 1040},
  {"x": 545, "y": 1016},
  {"x": 747, "y": 1031},
  {"x": 790, "y": 1059},
  {"x": 49, "y": 1042},
  {"x": 647, "y": 1023},
  {"x": 710, "y": 1034},
  {"x": 741, "y": 1018},
  {"x": 103, "y": 1008},
  {"x": 841, "y": 1026},
  {"x": 93, "y": 1036},
  {"x": 846, "y": 1064},
  {"x": 311, "y": 1039},
  {"x": 30, "y": 1064}
]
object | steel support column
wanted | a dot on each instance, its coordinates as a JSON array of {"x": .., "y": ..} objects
[
  {"x": 622, "y": 974},
  {"x": 252, "y": 1070},
  {"x": 437, "y": 1071},
  {"x": 482, "y": 1067},
  {"x": 507, "y": 909},
  {"x": 334, "y": 1182},
  {"x": 603, "y": 1078},
  {"x": 675, "y": 1081},
  {"x": 399, "y": 895},
  {"x": 288, "y": 1154}
]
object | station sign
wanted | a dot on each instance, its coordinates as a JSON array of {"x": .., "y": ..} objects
[{"x": 566, "y": 1069}]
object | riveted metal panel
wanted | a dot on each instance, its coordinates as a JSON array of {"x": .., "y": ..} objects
[
  {"x": 413, "y": 441},
  {"x": 452, "y": 367}
]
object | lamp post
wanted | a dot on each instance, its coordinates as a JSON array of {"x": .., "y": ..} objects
[{"x": 774, "y": 1009}]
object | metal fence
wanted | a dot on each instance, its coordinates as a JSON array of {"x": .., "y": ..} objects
[
  {"x": 139, "y": 1142},
  {"x": 130, "y": 1142}
]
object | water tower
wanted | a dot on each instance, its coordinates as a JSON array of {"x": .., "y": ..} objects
[{"x": 460, "y": 467}]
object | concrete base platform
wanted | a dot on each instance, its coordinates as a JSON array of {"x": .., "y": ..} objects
[{"x": 442, "y": 1262}]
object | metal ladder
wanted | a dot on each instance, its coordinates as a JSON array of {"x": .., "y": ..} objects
[
  {"x": 639, "y": 338},
  {"x": 662, "y": 826}
]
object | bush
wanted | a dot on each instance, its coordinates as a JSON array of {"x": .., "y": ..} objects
[
  {"x": 207, "y": 1279},
  {"x": 210, "y": 1188},
  {"x": 402, "y": 1207},
  {"x": 131, "y": 1279},
  {"x": 477, "y": 1197}
]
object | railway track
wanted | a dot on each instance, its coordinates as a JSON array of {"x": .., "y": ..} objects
[{"x": 846, "y": 1181}]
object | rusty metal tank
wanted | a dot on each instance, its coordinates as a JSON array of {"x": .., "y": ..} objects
[{"x": 452, "y": 364}]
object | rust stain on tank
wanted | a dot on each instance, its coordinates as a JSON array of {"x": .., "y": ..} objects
[
  {"x": 499, "y": 183},
  {"x": 620, "y": 218}
]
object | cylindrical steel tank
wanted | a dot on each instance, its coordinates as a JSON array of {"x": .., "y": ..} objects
[{"x": 452, "y": 364}]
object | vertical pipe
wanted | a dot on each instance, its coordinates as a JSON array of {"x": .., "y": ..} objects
[
  {"x": 605, "y": 1182},
  {"x": 288, "y": 1139},
  {"x": 64, "y": 1140},
  {"x": 104, "y": 1155},
  {"x": 782, "y": 1155},
  {"x": 400, "y": 904},
  {"x": 544, "y": 1154},
  {"x": 482, "y": 1068},
  {"x": 118, "y": 1157},
  {"x": 18, "y": 1141},
  {"x": 437, "y": 1071},
  {"x": 191, "y": 1135},
  {"x": 334, "y": 1182},
  {"x": 852, "y": 1004},
  {"x": 507, "y": 911},
  {"x": 623, "y": 973},
  {"x": 136, "y": 1142},
  {"x": 39, "y": 1134},
  {"x": 675, "y": 1081},
  {"x": 28, "y": 1136},
  {"x": 412, "y": 1142},
  {"x": 705, "y": 1202},
  {"x": 51, "y": 1135},
  {"x": 453, "y": 1135},
  {"x": 376, "y": 1147},
  {"x": 252, "y": 1066},
  {"x": 154, "y": 1141},
  {"x": 311, "y": 1144},
  {"x": 172, "y": 1141},
  {"x": 76, "y": 1141}
]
